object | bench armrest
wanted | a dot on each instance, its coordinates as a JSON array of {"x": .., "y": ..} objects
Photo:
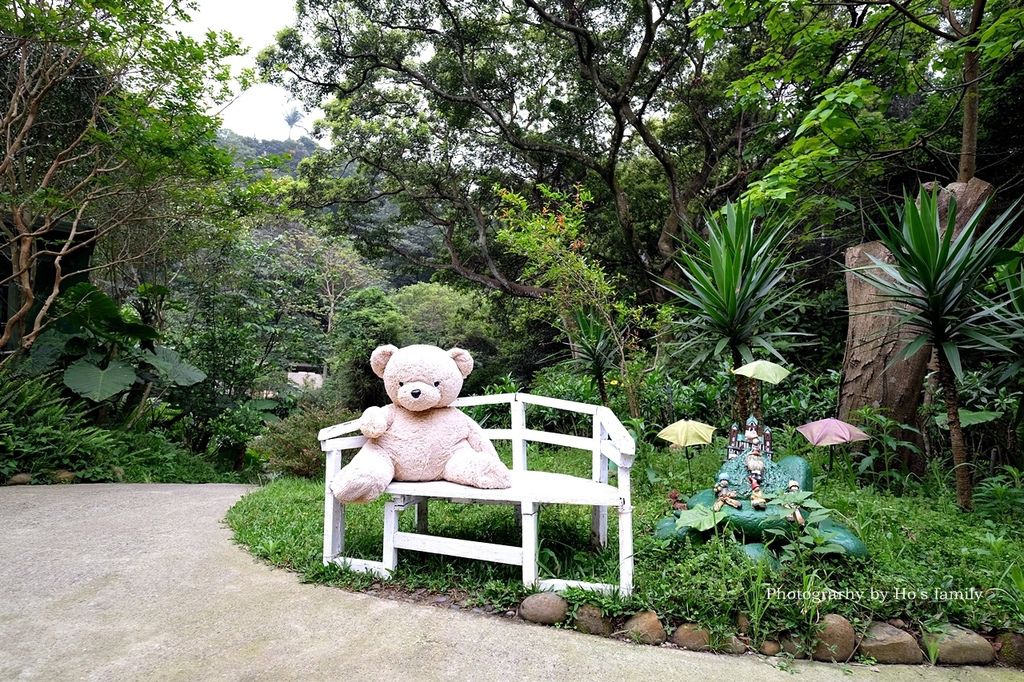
[{"x": 620, "y": 448}]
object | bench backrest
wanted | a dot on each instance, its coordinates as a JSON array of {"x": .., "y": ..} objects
[{"x": 609, "y": 438}]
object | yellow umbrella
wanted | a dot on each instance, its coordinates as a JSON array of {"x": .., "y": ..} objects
[
  {"x": 762, "y": 370},
  {"x": 686, "y": 433}
]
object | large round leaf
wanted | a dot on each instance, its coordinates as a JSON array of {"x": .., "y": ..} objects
[
  {"x": 89, "y": 381},
  {"x": 169, "y": 363}
]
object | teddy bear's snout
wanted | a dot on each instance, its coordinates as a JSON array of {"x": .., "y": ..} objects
[{"x": 418, "y": 396}]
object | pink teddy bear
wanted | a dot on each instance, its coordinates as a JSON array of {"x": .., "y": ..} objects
[{"x": 419, "y": 437}]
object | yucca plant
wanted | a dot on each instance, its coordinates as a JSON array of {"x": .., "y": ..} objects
[
  {"x": 592, "y": 349},
  {"x": 737, "y": 287},
  {"x": 936, "y": 280}
]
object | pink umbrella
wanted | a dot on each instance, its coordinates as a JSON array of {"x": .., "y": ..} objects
[{"x": 831, "y": 431}]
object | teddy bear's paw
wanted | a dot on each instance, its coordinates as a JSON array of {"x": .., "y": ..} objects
[
  {"x": 493, "y": 475},
  {"x": 349, "y": 489}
]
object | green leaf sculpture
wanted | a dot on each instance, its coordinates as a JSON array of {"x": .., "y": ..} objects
[{"x": 96, "y": 384}]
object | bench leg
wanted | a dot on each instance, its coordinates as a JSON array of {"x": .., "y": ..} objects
[
  {"x": 421, "y": 516},
  {"x": 529, "y": 519},
  {"x": 334, "y": 513},
  {"x": 625, "y": 550},
  {"x": 391, "y": 512}
]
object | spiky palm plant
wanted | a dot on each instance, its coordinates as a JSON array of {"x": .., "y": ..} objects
[
  {"x": 592, "y": 350},
  {"x": 737, "y": 286},
  {"x": 936, "y": 282}
]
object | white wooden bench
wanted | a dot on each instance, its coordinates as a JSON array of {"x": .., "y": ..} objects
[{"x": 530, "y": 489}]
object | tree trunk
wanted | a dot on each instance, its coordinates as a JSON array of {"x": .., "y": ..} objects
[
  {"x": 871, "y": 375},
  {"x": 741, "y": 390},
  {"x": 969, "y": 139},
  {"x": 956, "y": 434}
]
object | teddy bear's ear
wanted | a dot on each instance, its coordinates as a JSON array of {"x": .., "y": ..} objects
[
  {"x": 379, "y": 358},
  {"x": 463, "y": 359}
]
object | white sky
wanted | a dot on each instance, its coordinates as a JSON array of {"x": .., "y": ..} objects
[{"x": 258, "y": 112}]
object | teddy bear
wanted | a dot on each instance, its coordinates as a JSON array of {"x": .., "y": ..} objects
[{"x": 419, "y": 437}]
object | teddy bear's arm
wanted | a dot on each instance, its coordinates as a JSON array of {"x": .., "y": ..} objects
[
  {"x": 476, "y": 438},
  {"x": 376, "y": 421}
]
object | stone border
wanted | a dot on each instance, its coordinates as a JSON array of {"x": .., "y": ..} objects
[{"x": 889, "y": 642}]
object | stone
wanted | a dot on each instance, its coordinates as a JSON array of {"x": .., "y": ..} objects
[
  {"x": 1011, "y": 649},
  {"x": 733, "y": 645},
  {"x": 646, "y": 628},
  {"x": 836, "y": 639},
  {"x": 19, "y": 479},
  {"x": 693, "y": 637},
  {"x": 792, "y": 646},
  {"x": 546, "y": 608},
  {"x": 959, "y": 646},
  {"x": 590, "y": 621},
  {"x": 770, "y": 647},
  {"x": 64, "y": 476},
  {"x": 888, "y": 644},
  {"x": 742, "y": 623}
]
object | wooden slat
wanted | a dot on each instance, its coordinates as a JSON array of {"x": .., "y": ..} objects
[
  {"x": 556, "y": 585},
  {"x": 363, "y": 566},
  {"x": 338, "y": 430},
  {"x": 349, "y": 443},
  {"x": 472, "y": 400},
  {"x": 498, "y": 434},
  {"x": 557, "y": 403},
  {"x": 617, "y": 432},
  {"x": 562, "y": 439},
  {"x": 435, "y": 544},
  {"x": 609, "y": 450}
]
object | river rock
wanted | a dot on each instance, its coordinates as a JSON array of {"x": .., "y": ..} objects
[
  {"x": 836, "y": 640},
  {"x": 793, "y": 646},
  {"x": 19, "y": 479},
  {"x": 1011, "y": 649},
  {"x": 959, "y": 646},
  {"x": 546, "y": 608},
  {"x": 645, "y": 627},
  {"x": 770, "y": 647},
  {"x": 590, "y": 621},
  {"x": 691, "y": 636},
  {"x": 734, "y": 645},
  {"x": 888, "y": 644}
]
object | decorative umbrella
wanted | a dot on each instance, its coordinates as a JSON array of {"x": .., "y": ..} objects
[
  {"x": 831, "y": 431},
  {"x": 686, "y": 433},
  {"x": 762, "y": 370}
]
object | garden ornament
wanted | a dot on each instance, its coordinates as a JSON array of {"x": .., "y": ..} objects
[
  {"x": 418, "y": 437},
  {"x": 762, "y": 370},
  {"x": 685, "y": 433},
  {"x": 831, "y": 431},
  {"x": 725, "y": 496},
  {"x": 795, "y": 516}
]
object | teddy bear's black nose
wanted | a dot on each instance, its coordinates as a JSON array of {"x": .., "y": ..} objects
[{"x": 415, "y": 393}]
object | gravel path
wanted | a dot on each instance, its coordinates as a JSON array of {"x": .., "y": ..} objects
[{"x": 127, "y": 582}]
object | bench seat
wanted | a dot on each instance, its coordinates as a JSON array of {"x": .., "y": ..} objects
[{"x": 542, "y": 487}]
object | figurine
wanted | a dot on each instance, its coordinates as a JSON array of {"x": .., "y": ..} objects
[
  {"x": 725, "y": 495},
  {"x": 794, "y": 487},
  {"x": 755, "y": 468}
]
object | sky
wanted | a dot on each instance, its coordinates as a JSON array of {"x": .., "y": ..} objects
[{"x": 257, "y": 112}]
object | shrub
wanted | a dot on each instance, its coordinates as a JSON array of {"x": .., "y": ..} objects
[
  {"x": 41, "y": 432},
  {"x": 290, "y": 446}
]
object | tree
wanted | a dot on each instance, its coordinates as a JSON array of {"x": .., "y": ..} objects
[
  {"x": 737, "y": 289},
  {"x": 649, "y": 104},
  {"x": 291, "y": 119},
  {"x": 103, "y": 129},
  {"x": 937, "y": 280}
]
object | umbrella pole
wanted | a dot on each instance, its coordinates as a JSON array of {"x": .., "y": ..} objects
[{"x": 689, "y": 470}]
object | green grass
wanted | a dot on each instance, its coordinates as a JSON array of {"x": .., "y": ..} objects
[{"x": 917, "y": 544}]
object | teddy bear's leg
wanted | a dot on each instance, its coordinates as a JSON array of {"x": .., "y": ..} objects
[
  {"x": 365, "y": 477},
  {"x": 478, "y": 469}
]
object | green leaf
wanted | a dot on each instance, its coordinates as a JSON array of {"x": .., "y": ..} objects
[
  {"x": 968, "y": 418},
  {"x": 169, "y": 363},
  {"x": 89, "y": 381}
]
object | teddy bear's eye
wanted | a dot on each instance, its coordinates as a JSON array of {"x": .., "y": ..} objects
[
  {"x": 401, "y": 383},
  {"x": 436, "y": 384}
]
